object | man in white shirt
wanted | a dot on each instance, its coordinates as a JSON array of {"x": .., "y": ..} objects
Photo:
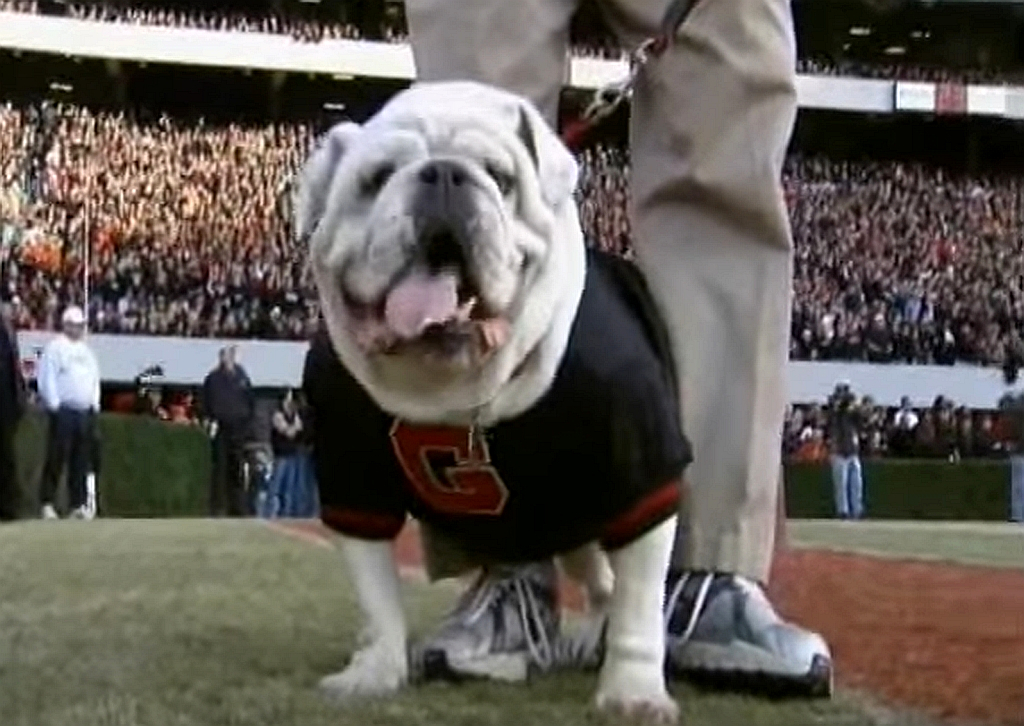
[
  {"x": 69, "y": 386},
  {"x": 904, "y": 424},
  {"x": 906, "y": 418}
]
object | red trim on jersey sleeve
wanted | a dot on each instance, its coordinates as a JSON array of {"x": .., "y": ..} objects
[
  {"x": 364, "y": 525},
  {"x": 649, "y": 512}
]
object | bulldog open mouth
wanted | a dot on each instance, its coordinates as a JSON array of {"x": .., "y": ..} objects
[{"x": 433, "y": 308}]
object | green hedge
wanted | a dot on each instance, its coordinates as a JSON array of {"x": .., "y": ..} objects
[
  {"x": 148, "y": 469},
  {"x": 155, "y": 469},
  {"x": 908, "y": 489}
]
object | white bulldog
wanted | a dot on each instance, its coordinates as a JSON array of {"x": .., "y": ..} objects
[{"x": 450, "y": 264}]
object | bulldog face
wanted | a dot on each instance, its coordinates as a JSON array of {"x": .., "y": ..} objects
[{"x": 444, "y": 240}]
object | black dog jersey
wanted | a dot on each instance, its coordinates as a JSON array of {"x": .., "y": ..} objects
[{"x": 599, "y": 457}]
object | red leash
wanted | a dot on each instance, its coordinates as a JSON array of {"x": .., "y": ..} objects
[{"x": 608, "y": 98}]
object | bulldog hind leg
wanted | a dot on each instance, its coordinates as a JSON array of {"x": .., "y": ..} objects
[
  {"x": 632, "y": 678},
  {"x": 589, "y": 566}
]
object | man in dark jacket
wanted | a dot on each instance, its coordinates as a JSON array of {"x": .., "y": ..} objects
[
  {"x": 229, "y": 406},
  {"x": 12, "y": 406}
]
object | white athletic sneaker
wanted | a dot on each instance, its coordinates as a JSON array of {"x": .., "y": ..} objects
[
  {"x": 90, "y": 496},
  {"x": 722, "y": 630},
  {"x": 49, "y": 512},
  {"x": 80, "y": 513}
]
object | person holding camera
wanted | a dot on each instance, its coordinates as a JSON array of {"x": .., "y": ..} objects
[{"x": 845, "y": 421}]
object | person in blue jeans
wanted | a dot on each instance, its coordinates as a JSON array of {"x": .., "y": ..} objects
[
  {"x": 291, "y": 484},
  {"x": 845, "y": 421},
  {"x": 1012, "y": 407},
  {"x": 311, "y": 502},
  {"x": 1017, "y": 487}
]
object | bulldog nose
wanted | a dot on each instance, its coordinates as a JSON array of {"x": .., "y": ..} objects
[
  {"x": 444, "y": 174},
  {"x": 442, "y": 209}
]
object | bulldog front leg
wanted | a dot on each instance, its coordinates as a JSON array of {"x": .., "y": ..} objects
[
  {"x": 632, "y": 679},
  {"x": 382, "y": 665}
]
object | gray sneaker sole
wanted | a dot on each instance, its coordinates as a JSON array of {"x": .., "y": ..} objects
[
  {"x": 437, "y": 665},
  {"x": 744, "y": 667}
]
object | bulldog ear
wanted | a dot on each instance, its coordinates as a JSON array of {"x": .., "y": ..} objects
[
  {"x": 557, "y": 170},
  {"x": 314, "y": 182}
]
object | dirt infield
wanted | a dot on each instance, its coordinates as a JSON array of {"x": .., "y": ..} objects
[{"x": 947, "y": 640}]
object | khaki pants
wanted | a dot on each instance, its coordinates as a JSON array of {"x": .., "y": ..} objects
[{"x": 711, "y": 120}]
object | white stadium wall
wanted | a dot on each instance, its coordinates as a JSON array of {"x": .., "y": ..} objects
[
  {"x": 278, "y": 364},
  {"x": 274, "y": 52}
]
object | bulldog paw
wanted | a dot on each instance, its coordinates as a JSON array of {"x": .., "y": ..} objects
[
  {"x": 374, "y": 671},
  {"x": 634, "y": 692},
  {"x": 654, "y": 709}
]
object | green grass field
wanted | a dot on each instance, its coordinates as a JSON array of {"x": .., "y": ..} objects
[
  {"x": 194, "y": 622},
  {"x": 970, "y": 543}
]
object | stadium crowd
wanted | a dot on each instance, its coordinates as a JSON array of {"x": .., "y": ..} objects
[
  {"x": 820, "y": 66},
  {"x": 940, "y": 431},
  {"x": 187, "y": 225},
  {"x": 188, "y": 235},
  {"x": 596, "y": 44},
  {"x": 943, "y": 430},
  {"x": 303, "y": 29}
]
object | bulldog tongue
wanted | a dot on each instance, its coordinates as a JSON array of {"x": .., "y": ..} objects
[{"x": 420, "y": 300}]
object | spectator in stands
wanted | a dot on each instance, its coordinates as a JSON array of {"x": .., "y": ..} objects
[
  {"x": 306, "y": 452},
  {"x": 69, "y": 385},
  {"x": 875, "y": 440},
  {"x": 946, "y": 433},
  {"x": 965, "y": 438},
  {"x": 904, "y": 423},
  {"x": 845, "y": 422},
  {"x": 986, "y": 439},
  {"x": 151, "y": 404},
  {"x": 927, "y": 434},
  {"x": 182, "y": 408},
  {"x": 812, "y": 447},
  {"x": 12, "y": 407},
  {"x": 229, "y": 406}
]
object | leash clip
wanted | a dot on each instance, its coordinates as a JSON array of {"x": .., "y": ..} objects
[
  {"x": 612, "y": 95},
  {"x": 609, "y": 97}
]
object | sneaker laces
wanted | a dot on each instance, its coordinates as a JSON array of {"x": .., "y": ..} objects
[
  {"x": 580, "y": 650},
  {"x": 703, "y": 588},
  {"x": 489, "y": 591},
  {"x": 583, "y": 650}
]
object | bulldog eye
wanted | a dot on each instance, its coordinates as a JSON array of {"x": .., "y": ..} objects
[
  {"x": 376, "y": 181},
  {"x": 506, "y": 182}
]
